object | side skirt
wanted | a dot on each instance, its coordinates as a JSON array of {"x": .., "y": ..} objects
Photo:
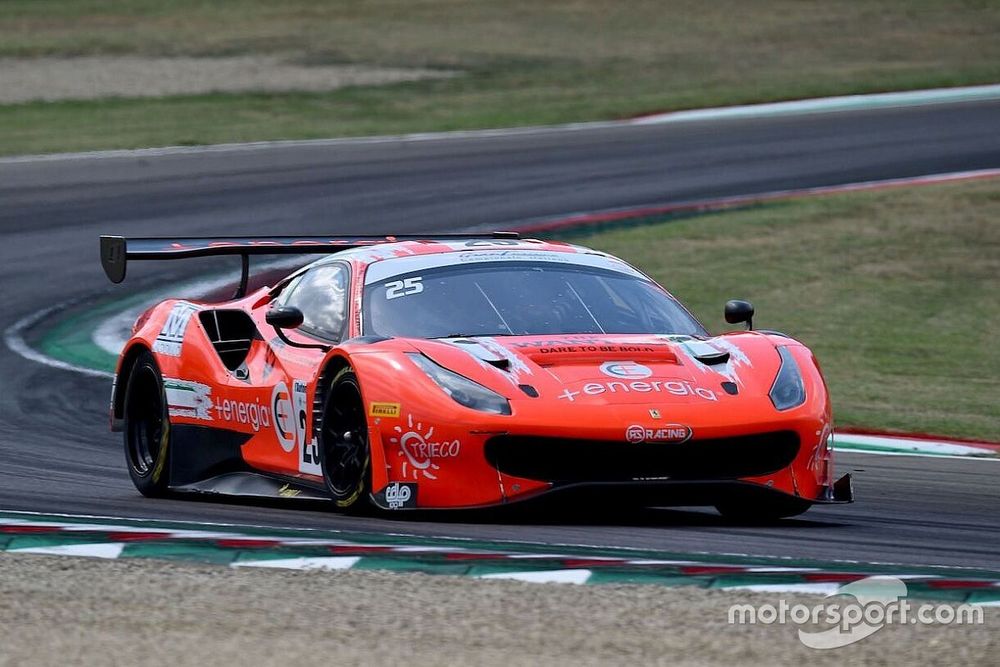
[
  {"x": 209, "y": 460},
  {"x": 252, "y": 485}
]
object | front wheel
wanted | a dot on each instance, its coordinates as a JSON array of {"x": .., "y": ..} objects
[
  {"x": 344, "y": 447},
  {"x": 147, "y": 428}
]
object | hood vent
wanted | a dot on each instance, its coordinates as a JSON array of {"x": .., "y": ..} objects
[
  {"x": 705, "y": 352},
  {"x": 481, "y": 352},
  {"x": 713, "y": 359},
  {"x": 502, "y": 364}
]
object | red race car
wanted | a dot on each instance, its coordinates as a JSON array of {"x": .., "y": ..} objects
[{"x": 459, "y": 372}]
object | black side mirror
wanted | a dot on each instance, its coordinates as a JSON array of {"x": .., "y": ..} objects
[
  {"x": 739, "y": 311},
  {"x": 289, "y": 317},
  {"x": 284, "y": 317}
]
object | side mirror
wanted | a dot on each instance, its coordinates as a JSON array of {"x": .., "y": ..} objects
[
  {"x": 739, "y": 311},
  {"x": 289, "y": 317},
  {"x": 284, "y": 317}
]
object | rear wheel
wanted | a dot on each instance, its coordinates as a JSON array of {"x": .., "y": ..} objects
[
  {"x": 761, "y": 510},
  {"x": 344, "y": 449},
  {"x": 147, "y": 428}
]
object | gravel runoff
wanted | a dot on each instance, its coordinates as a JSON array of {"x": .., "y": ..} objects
[
  {"x": 61, "y": 610},
  {"x": 23, "y": 80}
]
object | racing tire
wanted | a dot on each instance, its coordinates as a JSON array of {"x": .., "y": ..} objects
[
  {"x": 345, "y": 454},
  {"x": 762, "y": 511},
  {"x": 147, "y": 428}
]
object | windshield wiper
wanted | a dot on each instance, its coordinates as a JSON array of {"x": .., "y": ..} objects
[{"x": 468, "y": 335}]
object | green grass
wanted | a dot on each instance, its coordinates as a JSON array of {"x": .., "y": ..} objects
[
  {"x": 525, "y": 62},
  {"x": 897, "y": 292}
]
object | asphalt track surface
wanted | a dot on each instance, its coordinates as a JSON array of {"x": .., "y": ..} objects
[{"x": 57, "y": 455}]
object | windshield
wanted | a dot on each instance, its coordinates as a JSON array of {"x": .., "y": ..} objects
[{"x": 520, "y": 298}]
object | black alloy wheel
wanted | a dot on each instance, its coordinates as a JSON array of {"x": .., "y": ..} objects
[
  {"x": 147, "y": 428},
  {"x": 344, "y": 450}
]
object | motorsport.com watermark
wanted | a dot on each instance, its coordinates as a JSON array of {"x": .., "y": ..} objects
[{"x": 877, "y": 602}]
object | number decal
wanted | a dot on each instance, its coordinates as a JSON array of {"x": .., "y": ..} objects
[
  {"x": 398, "y": 288},
  {"x": 310, "y": 455},
  {"x": 308, "y": 447}
]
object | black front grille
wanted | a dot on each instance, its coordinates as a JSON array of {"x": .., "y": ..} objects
[{"x": 568, "y": 460}]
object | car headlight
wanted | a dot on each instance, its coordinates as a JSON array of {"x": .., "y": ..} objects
[
  {"x": 788, "y": 390},
  {"x": 461, "y": 389}
]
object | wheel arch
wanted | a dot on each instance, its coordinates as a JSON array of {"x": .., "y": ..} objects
[
  {"x": 334, "y": 364},
  {"x": 125, "y": 366}
]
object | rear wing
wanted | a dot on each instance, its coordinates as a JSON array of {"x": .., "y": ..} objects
[{"x": 117, "y": 251}]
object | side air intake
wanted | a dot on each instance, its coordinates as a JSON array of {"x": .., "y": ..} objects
[{"x": 231, "y": 333}]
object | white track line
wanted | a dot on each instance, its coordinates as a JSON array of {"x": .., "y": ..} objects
[
  {"x": 543, "y": 576},
  {"x": 14, "y": 339},
  {"x": 909, "y": 445},
  {"x": 812, "y": 588},
  {"x": 978, "y": 458},
  {"x": 304, "y": 563},
  {"x": 831, "y": 104},
  {"x": 793, "y": 107},
  {"x": 99, "y": 550}
]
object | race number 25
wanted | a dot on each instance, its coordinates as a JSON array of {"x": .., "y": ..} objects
[{"x": 398, "y": 288}]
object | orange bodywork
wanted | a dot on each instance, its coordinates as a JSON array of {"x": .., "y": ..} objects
[{"x": 581, "y": 405}]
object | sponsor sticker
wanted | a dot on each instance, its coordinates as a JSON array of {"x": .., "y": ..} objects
[
  {"x": 483, "y": 243},
  {"x": 188, "y": 399},
  {"x": 635, "y": 433},
  {"x": 591, "y": 348},
  {"x": 284, "y": 416},
  {"x": 515, "y": 256},
  {"x": 672, "y": 433},
  {"x": 170, "y": 340},
  {"x": 626, "y": 370},
  {"x": 244, "y": 413},
  {"x": 383, "y": 409},
  {"x": 287, "y": 491},
  {"x": 672, "y": 387},
  {"x": 400, "y": 495},
  {"x": 421, "y": 451}
]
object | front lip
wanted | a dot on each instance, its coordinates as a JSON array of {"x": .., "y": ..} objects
[
  {"x": 684, "y": 492},
  {"x": 663, "y": 493}
]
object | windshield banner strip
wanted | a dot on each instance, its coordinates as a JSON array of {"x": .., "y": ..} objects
[{"x": 381, "y": 270}]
